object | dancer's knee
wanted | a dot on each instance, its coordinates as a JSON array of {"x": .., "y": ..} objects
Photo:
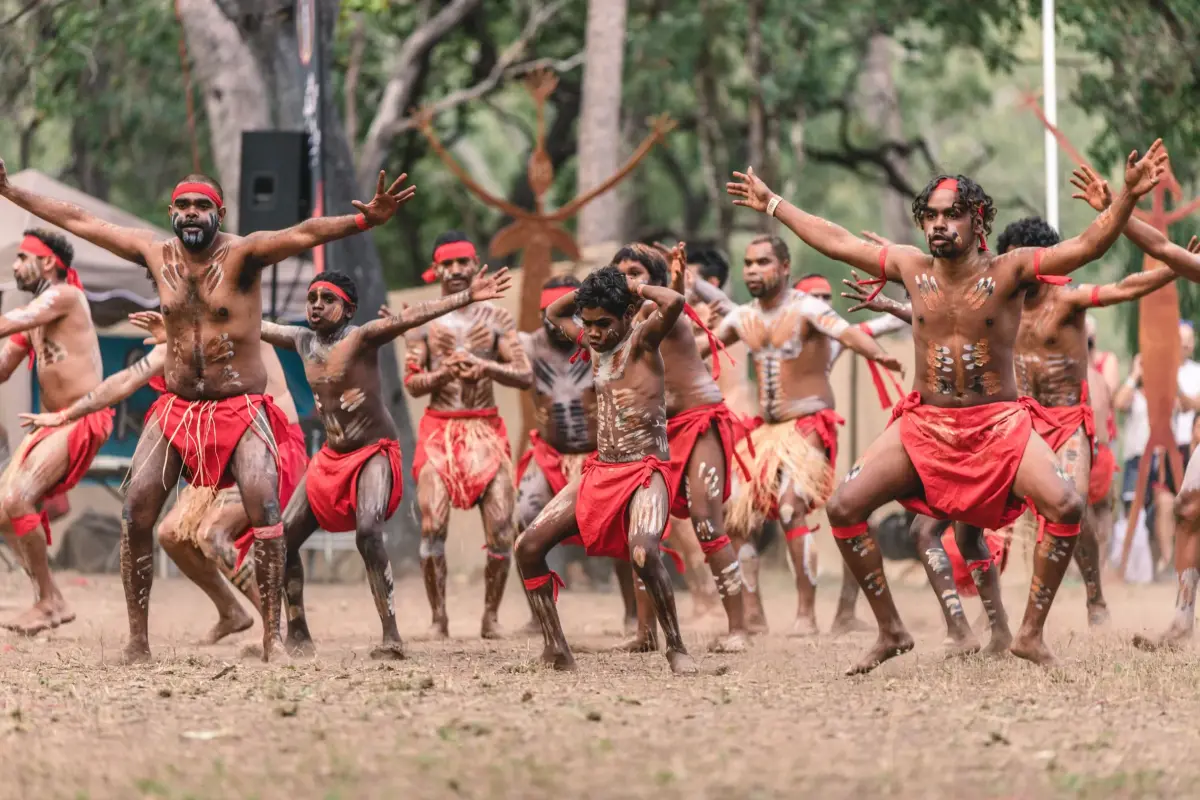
[
  {"x": 1067, "y": 508},
  {"x": 842, "y": 513},
  {"x": 645, "y": 554}
]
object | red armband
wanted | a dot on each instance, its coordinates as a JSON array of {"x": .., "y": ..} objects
[
  {"x": 361, "y": 221},
  {"x": 1095, "y": 299}
]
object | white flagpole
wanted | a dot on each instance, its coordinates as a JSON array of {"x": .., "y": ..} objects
[{"x": 1050, "y": 104}]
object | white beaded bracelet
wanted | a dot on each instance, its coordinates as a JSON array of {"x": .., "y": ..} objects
[{"x": 773, "y": 204}]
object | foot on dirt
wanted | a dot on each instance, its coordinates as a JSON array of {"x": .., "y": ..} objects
[
  {"x": 1098, "y": 616},
  {"x": 888, "y": 645},
  {"x": 681, "y": 663},
  {"x": 1032, "y": 647},
  {"x": 804, "y": 626},
  {"x": 851, "y": 624},
  {"x": 564, "y": 662},
  {"x": 756, "y": 624},
  {"x": 736, "y": 642},
  {"x": 999, "y": 643},
  {"x": 388, "y": 651},
  {"x": 136, "y": 652},
  {"x": 490, "y": 627},
  {"x": 1173, "y": 639},
  {"x": 273, "y": 650},
  {"x": 440, "y": 629},
  {"x": 298, "y": 644},
  {"x": 629, "y": 626},
  {"x": 228, "y": 625},
  {"x": 40, "y": 617},
  {"x": 964, "y": 645},
  {"x": 637, "y": 643},
  {"x": 63, "y": 615}
]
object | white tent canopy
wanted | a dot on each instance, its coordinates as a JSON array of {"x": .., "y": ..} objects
[{"x": 116, "y": 287}]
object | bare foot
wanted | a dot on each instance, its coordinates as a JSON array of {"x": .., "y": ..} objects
[
  {"x": 388, "y": 651},
  {"x": 228, "y": 625},
  {"x": 756, "y": 624},
  {"x": 629, "y": 626},
  {"x": 999, "y": 643},
  {"x": 1098, "y": 616},
  {"x": 1173, "y": 639},
  {"x": 850, "y": 624},
  {"x": 273, "y": 650},
  {"x": 136, "y": 652},
  {"x": 298, "y": 643},
  {"x": 490, "y": 628},
  {"x": 681, "y": 663},
  {"x": 564, "y": 662},
  {"x": 38, "y": 618},
  {"x": 965, "y": 645},
  {"x": 733, "y": 643},
  {"x": 440, "y": 629},
  {"x": 63, "y": 615},
  {"x": 888, "y": 645},
  {"x": 1033, "y": 648},
  {"x": 637, "y": 643},
  {"x": 804, "y": 626}
]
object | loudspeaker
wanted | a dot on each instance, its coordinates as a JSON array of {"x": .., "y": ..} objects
[{"x": 276, "y": 189}]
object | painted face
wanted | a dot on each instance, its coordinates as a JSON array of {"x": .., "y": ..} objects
[
  {"x": 762, "y": 270},
  {"x": 326, "y": 311},
  {"x": 456, "y": 273},
  {"x": 195, "y": 220},
  {"x": 949, "y": 229},
  {"x": 27, "y": 270},
  {"x": 603, "y": 329},
  {"x": 635, "y": 271}
]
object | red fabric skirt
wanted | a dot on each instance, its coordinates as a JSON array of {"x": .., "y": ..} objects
[
  {"x": 684, "y": 429},
  {"x": 466, "y": 448},
  {"x": 85, "y": 438},
  {"x": 997, "y": 544},
  {"x": 332, "y": 484},
  {"x": 824, "y": 423},
  {"x": 1104, "y": 466},
  {"x": 602, "y": 508},
  {"x": 1058, "y": 424},
  {"x": 206, "y": 432},
  {"x": 548, "y": 459},
  {"x": 967, "y": 458}
]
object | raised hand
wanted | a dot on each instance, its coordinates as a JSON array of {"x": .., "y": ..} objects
[
  {"x": 1143, "y": 174},
  {"x": 891, "y": 362},
  {"x": 45, "y": 419},
  {"x": 875, "y": 238},
  {"x": 749, "y": 190},
  {"x": 489, "y": 287},
  {"x": 152, "y": 323},
  {"x": 677, "y": 262},
  {"x": 386, "y": 201},
  {"x": 1093, "y": 189},
  {"x": 859, "y": 294},
  {"x": 1194, "y": 245}
]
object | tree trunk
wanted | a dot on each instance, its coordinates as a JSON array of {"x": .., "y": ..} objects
[
  {"x": 756, "y": 139},
  {"x": 271, "y": 42},
  {"x": 600, "y": 120},
  {"x": 881, "y": 111}
]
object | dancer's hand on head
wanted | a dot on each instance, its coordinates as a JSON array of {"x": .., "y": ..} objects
[
  {"x": 749, "y": 190},
  {"x": 43, "y": 420},
  {"x": 490, "y": 287},
  {"x": 1093, "y": 189},
  {"x": 386, "y": 201},
  {"x": 1143, "y": 174},
  {"x": 152, "y": 323},
  {"x": 875, "y": 238}
]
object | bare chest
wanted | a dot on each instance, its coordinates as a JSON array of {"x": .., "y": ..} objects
[
  {"x": 472, "y": 330},
  {"x": 207, "y": 290}
]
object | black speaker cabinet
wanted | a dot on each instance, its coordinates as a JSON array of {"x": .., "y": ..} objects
[{"x": 276, "y": 189}]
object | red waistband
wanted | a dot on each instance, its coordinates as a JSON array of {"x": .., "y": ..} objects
[{"x": 464, "y": 413}]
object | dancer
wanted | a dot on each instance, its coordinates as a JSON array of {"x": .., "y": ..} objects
[
  {"x": 213, "y": 420},
  {"x": 620, "y": 505},
  {"x": 354, "y": 482},
  {"x": 792, "y": 449},
  {"x": 564, "y": 403},
  {"x": 207, "y": 534},
  {"x": 54, "y": 330},
  {"x": 463, "y": 457},
  {"x": 964, "y": 447}
]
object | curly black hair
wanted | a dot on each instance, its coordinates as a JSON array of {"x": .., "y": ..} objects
[
  {"x": 710, "y": 262},
  {"x": 608, "y": 289},
  {"x": 559, "y": 281},
  {"x": 200, "y": 177},
  {"x": 1027, "y": 232},
  {"x": 778, "y": 247},
  {"x": 649, "y": 257},
  {"x": 58, "y": 245},
  {"x": 340, "y": 280},
  {"x": 971, "y": 198}
]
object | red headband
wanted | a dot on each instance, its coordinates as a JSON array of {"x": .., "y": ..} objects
[
  {"x": 452, "y": 251},
  {"x": 550, "y": 295},
  {"x": 198, "y": 188},
  {"x": 337, "y": 291},
  {"x": 34, "y": 245},
  {"x": 813, "y": 284},
  {"x": 952, "y": 185}
]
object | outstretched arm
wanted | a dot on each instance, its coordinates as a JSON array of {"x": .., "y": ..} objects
[
  {"x": 865, "y": 345},
  {"x": 561, "y": 314},
  {"x": 285, "y": 336},
  {"x": 1131, "y": 287},
  {"x": 43, "y": 309},
  {"x": 483, "y": 287},
  {"x": 109, "y": 392},
  {"x": 716, "y": 299},
  {"x": 271, "y": 247},
  {"x": 130, "y": 244},
  {"x": 669, "y": 306}
]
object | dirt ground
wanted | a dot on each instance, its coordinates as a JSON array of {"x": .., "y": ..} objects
[{"x": 474, "y": 719}]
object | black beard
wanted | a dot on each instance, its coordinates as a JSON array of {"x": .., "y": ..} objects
[{"x": 196, "y": 242}]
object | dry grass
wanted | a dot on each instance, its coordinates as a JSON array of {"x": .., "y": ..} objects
[{"x": 474, "y": 719}]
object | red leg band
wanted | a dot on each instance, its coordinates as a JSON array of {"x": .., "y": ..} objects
[
  {"x": 850, "y": 531},
  {"x": 532, "y": 584},
  {"x": 269, "y": 532},
  {"x": 714, "y": 546},
  {"x": 1062, "y": 529},
  {"x": 26, "y": 523},
  {"x": 982, "y": 566},
  {"x": 797, "y": 532}
]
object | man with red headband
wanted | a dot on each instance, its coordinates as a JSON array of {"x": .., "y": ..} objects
[
  {"x": 214, "y": 420},
  {"x": 963, "y": 445},
  {"x": 792, "y": 449},
  {"x": 206, "y": 533},
  {"x": 463, "y": 457},
  {"x": 55, "y": 331}
]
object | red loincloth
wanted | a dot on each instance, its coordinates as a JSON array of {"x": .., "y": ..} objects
[
  {"x": 1104, "y": 466},
  {"x": 602, "y": 508},
  {"x": 206, "y": 432},
  {"x": 548, "y": 459},
  {"x": 1059, "y": 423},
  {"x": 825, "y": 424},
  {"x": 84, "y": 439},
  {"x": 998, "y": 545},
  {"x": 466, "y": 448},
  {"x": 333, "y": 483},
  {"x": 293, "y": 461},
  {"x": 684, "y": 429},
  {"x": 967, "y": 458}
]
